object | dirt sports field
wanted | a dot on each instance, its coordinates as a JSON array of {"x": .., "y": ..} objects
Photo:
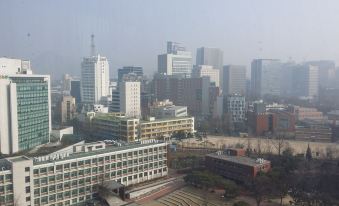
[{"x": 319, "y": 149}]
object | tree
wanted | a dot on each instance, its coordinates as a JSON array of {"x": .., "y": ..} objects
[
  {"x": 279, "y": 143},
  {"x": 308, "y": 153},
  {"x": 231, "y": 189},
  {"x": 241, "y": 203},
  {"x": 260, "y": 187},
  {"x": 180, "y": 135},
  {"x": 281, "y": 182}
]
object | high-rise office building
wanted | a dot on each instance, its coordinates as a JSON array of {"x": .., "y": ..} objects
[
  {"x": 265, "y": 77},
  {"x": 94, "y": 79},
  {"x": 138, "y": 71},
  {"x": 234, "y": 80},
  {"x": 210, "y": 56},
  {"x": 191, "y": 92},
  {"x": 76, "y": 90},
  {"x": 66, "y": 83},
  {"x": 305, "y": 81},
  {"x": 207, "y": 71},
  {"x": 25, "y": 114},
  {"x": 177, "y": 61},
  {"x": 126, "y": 99},
  {"x": 326, "y": 72}
]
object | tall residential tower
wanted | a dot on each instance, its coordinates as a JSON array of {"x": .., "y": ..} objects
[{"x": 94, "y": 79}]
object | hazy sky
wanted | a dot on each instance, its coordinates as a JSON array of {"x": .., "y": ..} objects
[{"x": 55, "y": 35}]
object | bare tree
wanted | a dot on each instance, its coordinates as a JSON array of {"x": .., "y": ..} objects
[
  {"x": 259, "y": 146},
  {"x": 279, "y": 143}
]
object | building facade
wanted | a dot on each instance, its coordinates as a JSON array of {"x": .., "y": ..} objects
[
  {"x": 177, "y": 61},
  {"x": 138, "y": 71},
  {"x": 233, "y": 80},
  {"x": 166, "y": 109},
  {"x": 265, "y": 77},
  {"x": 235, "y": 106},
  {"x": 207, "y": 71},
  {"x": 73, "y": 178},
  {"x": 76, "y": 90},
  {"x": 191, "y": 92},
  {"x": 210, "y": 56},
  {"x": 10, "y": 66},
  {"x": 67, "y": 109},
  {"x": 126, "y": 99},
  {"x": 25, "y": 112},
  {"x": 94, "y": 79},
  {"x": 234, "y": 165},
  {"x": 115, "y": 127}
]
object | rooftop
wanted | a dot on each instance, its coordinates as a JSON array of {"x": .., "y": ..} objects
[
  {"x": 18, "y": 158},
  {"x": 111, "y": 117},
  {"x": 101, "y": 151},
  {"x": 237, "y": 159},
  {"x": 165, "y": 119}
]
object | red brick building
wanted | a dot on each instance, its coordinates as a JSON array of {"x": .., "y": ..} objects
[
  {"x": 271, "y": 122},
  {"x": 233, "y": 165}
]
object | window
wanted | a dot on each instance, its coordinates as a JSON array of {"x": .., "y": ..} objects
[
  {"x": 27, "y": 179},
  {"x": 73, "y": 165},
  {"x": 59, "y": 168},
  {"x": 36, "y": 191},
  {"x": 28, "y": 189},
  {"x": 9, "y": 177},
  {"x": 26, "y": 169}
]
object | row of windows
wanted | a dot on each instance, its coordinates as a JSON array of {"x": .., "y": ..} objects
[
  {"x": 96, "y": 170},
  {"x": 81, "y": 184},
  {"x": 67, "y": 202},
  {"x": 6, "y": 188},
  {"x": 7, "y": 178},
  {"x": 112, "y": 166}
]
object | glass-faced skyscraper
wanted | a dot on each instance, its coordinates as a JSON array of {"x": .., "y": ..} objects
[
  {"x": 265, "y": 77},
  {"x": 25, "y": 116},
  {"x": 210, "y": 56}
]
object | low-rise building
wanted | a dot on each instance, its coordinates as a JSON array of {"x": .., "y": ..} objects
[
  {"x": 111, "y": 126},
  {"x": 306, "y": 113},
  {"x": 234, "y": 165},
  {"x": 313, "y": 131},
  {"x": 73, "y": 177},
  {"x": 166, "y": 109},
  {"x": 164, "y": 128}
]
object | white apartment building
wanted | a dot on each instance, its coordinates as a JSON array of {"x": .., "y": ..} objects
[
  {"x": 94, "y": 79},
  {"x": 207, "y": 71},
  {"x": 127, "y": 99},
  {"x": 71, "y": 176}
]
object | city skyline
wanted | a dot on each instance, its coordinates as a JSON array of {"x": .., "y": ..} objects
[{"x": 55, "y": 43}]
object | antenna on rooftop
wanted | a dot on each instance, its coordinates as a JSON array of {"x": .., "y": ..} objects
[{"x": 93, "y": 53}]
